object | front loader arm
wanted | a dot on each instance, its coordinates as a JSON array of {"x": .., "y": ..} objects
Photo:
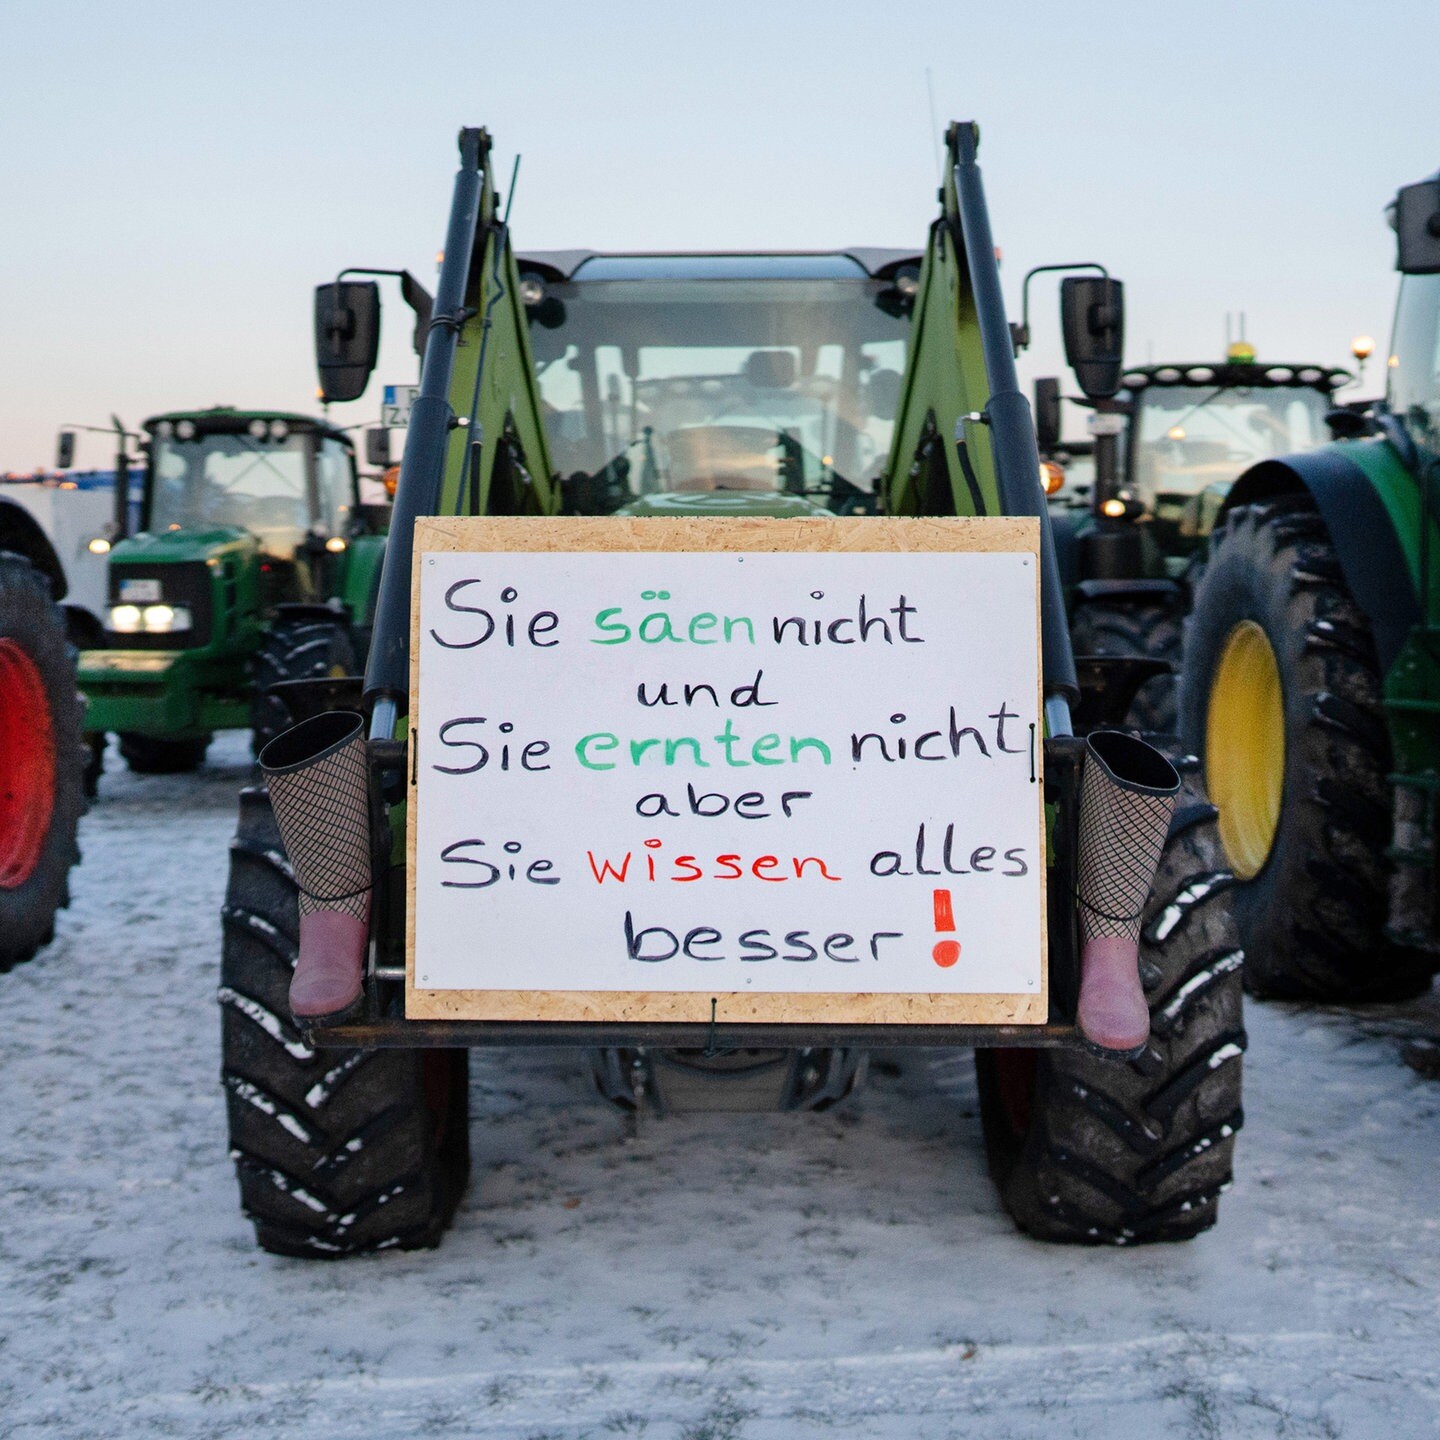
[
  {"x": 964, "y": 440},
  {"x": 944, "y": 381},
  {"x": 476, "y": 440},
  {"x": 498, "y": 461}
]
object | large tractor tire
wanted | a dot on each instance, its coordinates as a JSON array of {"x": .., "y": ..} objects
[
  {"x": 308, "y": 647},
  {"x": 41, "y": 761},
  {"x": 1281, "y": 697},
  {"x": 337, "y": 1151},
  {"x": 1099, "y": 1151},
  {"x": 1153, "y": 631},
  {"x": 147, "y": 755}
]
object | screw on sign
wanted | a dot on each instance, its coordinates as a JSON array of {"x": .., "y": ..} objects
[{"x": 946, "y": 952}]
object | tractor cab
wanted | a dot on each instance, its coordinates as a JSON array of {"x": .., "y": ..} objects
[
  {"x": 285, "y": 481},
  {"x": 761, "y": 384},
  {"x": 1413, "y": 392},
  {"x": 1194, "y": 428}
]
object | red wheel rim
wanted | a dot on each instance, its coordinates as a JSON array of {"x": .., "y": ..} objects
[{"x": 27, "y": 765}]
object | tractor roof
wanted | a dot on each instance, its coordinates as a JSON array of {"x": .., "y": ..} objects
[
  {"x": 220, "y": 419},
  {"x": 1228, "y": 375},
  {"x": 857, "y": 262}
]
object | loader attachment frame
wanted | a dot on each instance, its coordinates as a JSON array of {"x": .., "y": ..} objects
[{"x": 963, "y": 444}]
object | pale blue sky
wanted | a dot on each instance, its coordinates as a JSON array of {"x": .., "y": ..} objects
[{"x": 174, "y": 178}]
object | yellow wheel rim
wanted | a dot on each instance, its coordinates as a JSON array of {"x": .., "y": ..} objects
[{"x": 1245, "y": 747}]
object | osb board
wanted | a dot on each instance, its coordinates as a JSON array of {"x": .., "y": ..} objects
[
  {"x": 527, "y": 534},
  {"x": 746, "y": 535}
]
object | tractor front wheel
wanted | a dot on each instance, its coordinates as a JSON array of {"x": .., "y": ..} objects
[
  {"x": 1281, "y": 699},
  {"x": 147, "y": 755},
  {"x": 1098, "y": 1151},
  {"x": 41, "y": 761},
  {"x": 337, "y": 1151},
  {"x": 309, "y": 647}
]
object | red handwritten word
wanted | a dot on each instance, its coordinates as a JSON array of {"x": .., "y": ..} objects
[{"x": 684, "y": 869}]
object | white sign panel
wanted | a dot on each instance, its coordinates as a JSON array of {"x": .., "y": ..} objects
[{"x": 765, "y": 773}]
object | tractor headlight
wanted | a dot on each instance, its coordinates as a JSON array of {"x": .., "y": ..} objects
[
  {"x": 125, "y": 619},
  {"x": 165, "y": 619},
  {"x": 99, "y": 546}
]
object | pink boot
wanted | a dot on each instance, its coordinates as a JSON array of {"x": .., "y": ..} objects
[
  {"x": 1127, "y": 796},
  {"x": 319, "y": 781}
]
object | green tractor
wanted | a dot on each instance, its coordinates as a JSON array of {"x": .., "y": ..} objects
[
  {"x": 840, "y": 382},
  {"x": 255, "y": 565},
  {"x": 1163, "y": 456},
  {"x": 1311, "y": 680}
]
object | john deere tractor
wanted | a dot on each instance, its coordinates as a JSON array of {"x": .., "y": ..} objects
[
  {"x": 857, "y": 381},
  {"x": 1165, "y": 452},
  {"x": 255, "y": 564},
  {"x": 1311, "y": 680}
]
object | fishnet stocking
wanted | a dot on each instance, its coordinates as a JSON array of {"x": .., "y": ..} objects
[
  {"x": 323, "y": 811},
  {"x": 1123, "y": 824}
]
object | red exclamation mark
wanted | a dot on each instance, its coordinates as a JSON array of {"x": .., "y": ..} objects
[{"x": 946, "y": 952}]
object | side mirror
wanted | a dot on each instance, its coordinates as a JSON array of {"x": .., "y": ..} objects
[
  {"x": 1417, "y": 229},
  {"x": 347, "y": 337},
  {"x": 1047, "y": 414},
  {"x": 65, "y": 450},
  {"x": 377, "y": 447},
  {"x": 1092, "y": 314}
]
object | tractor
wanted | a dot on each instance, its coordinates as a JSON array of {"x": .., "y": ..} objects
[
  {"x": 42, "y": 758},
  {"x": 863, "y": 382},
  {"x": 255, "y": 564},
  {"x": 1311, "y": 678},
  {"x": 1164, "y": 453}
]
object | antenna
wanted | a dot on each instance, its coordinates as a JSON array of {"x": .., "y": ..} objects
[{"x": 934, "y": 125}]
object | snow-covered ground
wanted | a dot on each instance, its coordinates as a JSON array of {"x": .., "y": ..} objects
[{"x": 714, "y": 1278}]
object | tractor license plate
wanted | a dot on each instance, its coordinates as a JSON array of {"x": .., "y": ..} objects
[{"x": 139, "y": 590}]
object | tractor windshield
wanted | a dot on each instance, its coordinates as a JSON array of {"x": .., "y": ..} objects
[
  {"x": 1414, "y": 389},
  {"x": 686, "y": 384},
  {"x": 1190, "y": 437},
  {"x": 261, "y": 485}
]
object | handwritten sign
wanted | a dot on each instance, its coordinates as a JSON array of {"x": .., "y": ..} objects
[{"x": 791, "y": 766}]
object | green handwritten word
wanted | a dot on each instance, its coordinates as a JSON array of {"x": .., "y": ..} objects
[
  {"x": 658, "y": 626},
  {"x": 769, "y": 749}
]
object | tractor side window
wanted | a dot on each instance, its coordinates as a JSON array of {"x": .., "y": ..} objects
[
  {"x": 1414, "y": 390},
  {"x": 335, "y": 482}
]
